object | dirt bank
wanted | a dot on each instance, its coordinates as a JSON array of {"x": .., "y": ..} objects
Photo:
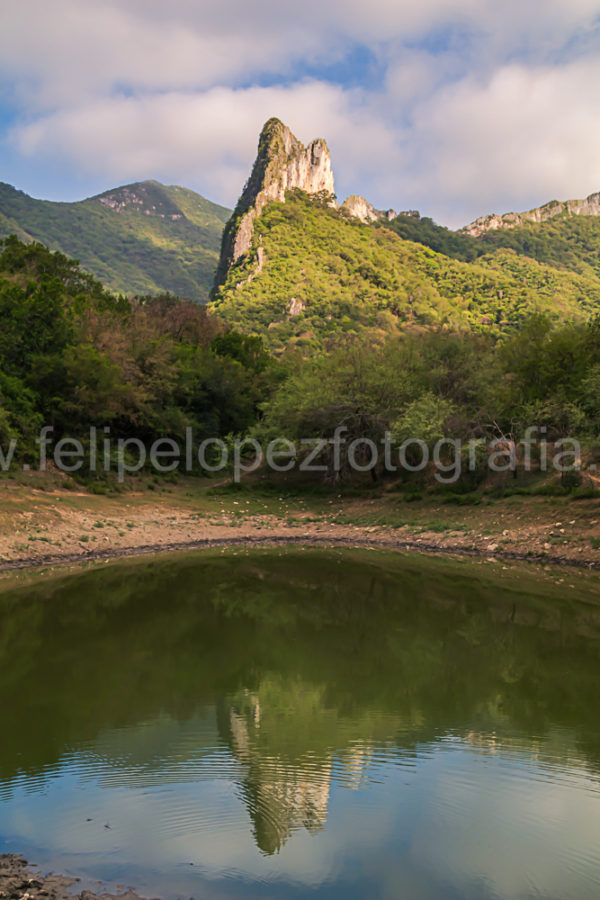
[
  {"x": 379, "y": 541},
  {"x": 48, "y": 527}
]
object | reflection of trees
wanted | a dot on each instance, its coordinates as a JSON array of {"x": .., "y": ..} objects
[{"x": 312, "y": 664}]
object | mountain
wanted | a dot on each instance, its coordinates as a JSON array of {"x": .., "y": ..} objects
[
  {"x": 282, "y": 164},
  {"x": 295, "y": 263},
  {"x": 141, "y": 238},
  {"x": 588, "y": 207},
  {"x": 297, "y": 267},
  {"x": 567, "y": 240}
]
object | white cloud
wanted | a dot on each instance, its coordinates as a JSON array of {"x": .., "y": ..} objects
[
  {"x": 207, "y": 139},
  {"x": 479, "y": 105},
  {"x": 59, "y": 52},
  {"x": 525, "y": 136}
]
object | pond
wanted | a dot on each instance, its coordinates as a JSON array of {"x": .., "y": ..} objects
[{"x": 284, "y": 724}]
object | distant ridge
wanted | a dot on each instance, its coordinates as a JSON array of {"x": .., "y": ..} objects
[
  {"x": 141, "y": 238},
  {"x": 588, "y": 207}
]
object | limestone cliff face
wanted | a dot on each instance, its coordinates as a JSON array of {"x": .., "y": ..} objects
[
  {"x": 588, "y": 207},
  {"x": 282, "y": 163},
  {"x": 359, "y": 208}
]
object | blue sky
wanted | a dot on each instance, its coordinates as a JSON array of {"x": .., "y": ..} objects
[{"x": 454, "y": 107}]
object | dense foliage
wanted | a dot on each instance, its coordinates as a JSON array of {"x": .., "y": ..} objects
[
  {"x": 437, "y": 384},
  {"x": 423, "y": 230},
  {"x": 142, "y": 238},
  {"x": 324, "y": 274},
  {"x": 570, "y": 242},
  {"x": 390, "y": 346},
  {"x": 73, "y": 355}
]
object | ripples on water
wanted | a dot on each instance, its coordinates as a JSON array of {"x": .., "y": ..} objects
[{"x": 284, "y": 726}]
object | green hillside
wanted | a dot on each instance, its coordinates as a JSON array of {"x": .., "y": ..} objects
[
  {"x": 323, "y": 273},
  {"x": 138, "y": 239},
  {"x": 565, "y": 242},
  {"x": 73, "y": 355}
]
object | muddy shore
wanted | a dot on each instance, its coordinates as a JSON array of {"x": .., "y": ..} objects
[
  {"x": 375, "y": 541},
  {"x": 19, "y": 881}
]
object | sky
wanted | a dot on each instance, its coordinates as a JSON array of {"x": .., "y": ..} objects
[{"x": 457, "y": 108}]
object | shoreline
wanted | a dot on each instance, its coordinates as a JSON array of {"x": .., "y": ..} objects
[
  {"x": 374, "y": 541},
  {"x": 42, "y": 526},
  {"x": 18, "y": 881}
]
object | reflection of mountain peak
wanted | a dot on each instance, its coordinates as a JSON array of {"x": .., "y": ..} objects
[
  {"x": 282, "y": 799},
  {"x": 282, "y": 796}
]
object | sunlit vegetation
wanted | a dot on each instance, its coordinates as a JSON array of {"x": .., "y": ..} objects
[
  {"x": 437, "y": 384},
  {"x": 344, "y": 324},
  {"x": 325, "y": 274},
  {"x": 570, "y": 242}
]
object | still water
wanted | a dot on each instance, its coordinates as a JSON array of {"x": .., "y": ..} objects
[{"x": 305, "y": 724}]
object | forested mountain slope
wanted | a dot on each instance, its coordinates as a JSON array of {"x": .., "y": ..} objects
[
  {"x": 313, "y": 271},
  {"x": 137, "y": 239}
]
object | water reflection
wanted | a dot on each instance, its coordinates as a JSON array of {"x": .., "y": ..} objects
[{"x": 339, "y": 722}]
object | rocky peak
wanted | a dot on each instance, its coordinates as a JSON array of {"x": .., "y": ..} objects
[
  {"x": 282, "y": 164},
  {"x": 588, "y": 207},
  {"x": 147, "y": 197},
  {"x": 359, "y": 208}
]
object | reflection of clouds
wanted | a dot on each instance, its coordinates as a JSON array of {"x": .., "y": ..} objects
[
  {"x": 475, "y": 816},
  {"x": 171, "y": 802},
  {"x": 159, "y": 830},
  {"x": 520, "y": 827}
]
